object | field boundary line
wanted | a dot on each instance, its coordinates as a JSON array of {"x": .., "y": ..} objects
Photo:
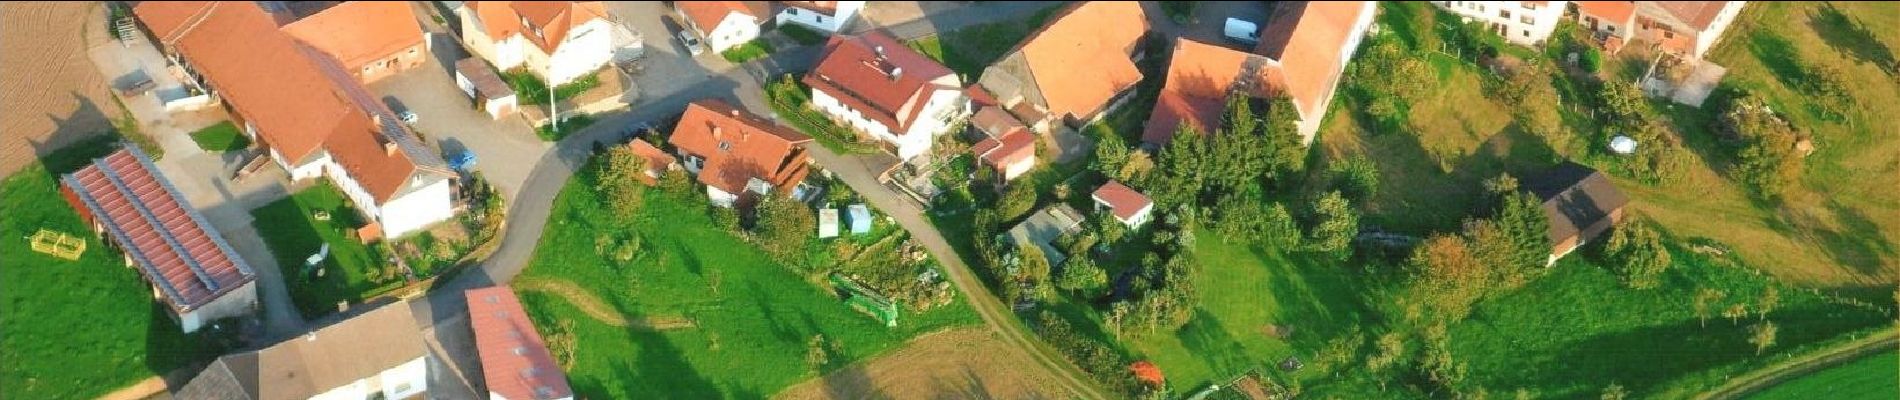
[{"x": 1815, "y": 361}]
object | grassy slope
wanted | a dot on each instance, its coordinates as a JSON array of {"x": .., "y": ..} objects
[
  {"x": 74, "y": 329},
  {"x": 292, "y": 232},
  {"x": 760, "y": 318},
  {"x": 1869, "y": 378}
]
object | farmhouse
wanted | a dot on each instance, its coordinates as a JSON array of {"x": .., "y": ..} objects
[
  {"x": 736, "y": 153},
  {"x": 1302, "y": 53},
  {"x": 1037, "y": 81},
  {"x": 372, "y": 39},
  {"x": 310, "y": 113},
  {"x": 378, "y": 354},
  {"x": 1687, "y": 29},
  {"x": 560, "y": 41},
  {"x": 193, "y": 271},
  {"x": 723, "y": 24},
  {"x": 1581, "y": 203},
  {"x": 827, "y": 16},
  {"x": 516, "y": 363},
  {"x": 1129, "y": 206},
  {"x": 877, "y": 85},
  {"x": 1526, "y": 23}
]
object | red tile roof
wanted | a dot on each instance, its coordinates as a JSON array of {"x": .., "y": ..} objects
[
  {"x": 176, "y": 249},
  {"x": 1011, "y": 147},
  {"x": 994, "y": 121},
  {"x": 1617, "y": 12},
  {"x": 359, "y": 32},
  {"x": 1124, "y": 201},
  {"x": 503, "y": 19},
  {"x": 515, "y": 361},
  {"x": 708, "y": 14},
  {"x": 738, "y": 146},
  {"x": 657, "y": 161},
  {"x": 1698, "y": 14},
  {"x": 891, "y": 88},
  {"x": 300, "y": 100},
  {"x": 1308, "y": 39},
  {"x": 1200, "y": 78},
  {"x": 1097, "y": 35}
]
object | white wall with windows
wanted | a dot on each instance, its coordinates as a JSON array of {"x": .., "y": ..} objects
[
  {"x": 1521, "y": 22},
  {"x": 846, "y": 11},
  {"x": 401, "y": 382}
]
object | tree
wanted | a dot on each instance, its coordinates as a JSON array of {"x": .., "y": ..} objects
[
  {"x": 1017, "y": 201},
  {"x": 1033, "y": 271},
  {"x": 1079, "y": 274},
  {"x": 1521, "y": 219},
  {"x": 1614, "y": 392},
  {"x": 1735, "y": 312},
  {"x": 816, "y": 353},
  {"x": 1111, "y": 152},
  {"x": 1762, "y": 335},
  {"x": 784, "y": 229},
  {"x": 1705, "y": 299},
  {"x": 1335, "y": 225},
  {"x": 1770, "y": 299},
  {"x": 618, "y": 181},
  {"x": 1635, "y": 249},
  {"x": 1179, "y": 179},
  {"x": 1285, "y": 147},
  {"x": 1136, "y": 169},
  {"x": 1447, "y": 277},
  {"x": 1767, "y": 160},
  {"x": 1392, "y": 352},
  {"x": 1357, "y": 177},
  {"x": 1489, "y": 246}
]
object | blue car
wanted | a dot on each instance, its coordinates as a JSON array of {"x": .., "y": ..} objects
[{"x": 462, "y": 161}]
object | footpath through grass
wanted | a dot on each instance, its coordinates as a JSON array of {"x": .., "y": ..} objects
[
  {"x": 293, "y": 230},
  {"x": 75, "y": 329},
  {"x": 754, "y": 320},
  {"x": 221, "y": 138},
  {"x": 1870, "y": 378}
]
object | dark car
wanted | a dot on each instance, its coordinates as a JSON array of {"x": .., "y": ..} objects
[{"x": 402, "y": 112}]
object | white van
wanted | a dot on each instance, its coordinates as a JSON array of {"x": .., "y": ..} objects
[{"x": 1242, "y": 31}]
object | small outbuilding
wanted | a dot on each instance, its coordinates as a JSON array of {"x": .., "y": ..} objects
[
  {"x": 860, "y": 219},
  {"x": 1129, "y": 206},
  {"x": 1581, "y": 202},
  {"x": 827, "y": 223},
  {"x": 482, "y": 84}
]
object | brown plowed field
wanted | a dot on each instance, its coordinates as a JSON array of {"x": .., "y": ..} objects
[
  {"x": 967, "y": 363},
  {"x": 50, "y": 93}
]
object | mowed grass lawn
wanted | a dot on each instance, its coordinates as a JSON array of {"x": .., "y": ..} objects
[
  {"x": 754, "y": 318},
  {"x": 291, "y": 229},
  {"x": 220, "y": 138},
  {"x": 74, "y": 329},
  {"x": 1870, "y": 378},
  {"x": 1244, "y": 289},
  {"x": 968, "y": 50}
]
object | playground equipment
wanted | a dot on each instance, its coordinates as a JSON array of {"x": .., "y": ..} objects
[
  {"x": 58, "y": 244},
  {"x": 865, "y": 300}
]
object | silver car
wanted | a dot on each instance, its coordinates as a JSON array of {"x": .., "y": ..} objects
[{"x": 692, "y": 43}]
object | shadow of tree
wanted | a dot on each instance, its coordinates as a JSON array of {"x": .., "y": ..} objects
[{"x": 1851, "y": 37}]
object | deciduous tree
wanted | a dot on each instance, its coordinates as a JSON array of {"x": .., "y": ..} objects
[
  {"x": 1336, "y": 223},
  {"x": 1635, "y": 249}
]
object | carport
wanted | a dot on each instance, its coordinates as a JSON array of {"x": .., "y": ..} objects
[{"x": 480, "y": 83}]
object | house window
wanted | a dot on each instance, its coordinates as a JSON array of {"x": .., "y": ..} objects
[
  {"x": 1504, "y": 13},
  {"x": 725, "y": 146},
  {"x": 695, "y": 162},
  {"x": 1527, "y": 20},
  {"x": 1667, "y": 34},
  {"x": 1527, "y": 33}
]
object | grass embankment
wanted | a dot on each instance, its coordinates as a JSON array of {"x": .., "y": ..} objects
[
  {"x": 351, "y": 273},
  {"x": 753, "y": 320},
  {"x": 221, "y": 138},
  {"x": 75, "y": 329}
]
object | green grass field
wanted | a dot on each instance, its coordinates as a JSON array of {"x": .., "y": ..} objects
[
  {"x": 291, "y": 229},
  {"x": 1869, "y": 378},
  {"x": 222, "y": 137},
  {"x": 754, "y": 318},
  {"x": 75, "y": 329},
  {"x": 969, "y": 50}
]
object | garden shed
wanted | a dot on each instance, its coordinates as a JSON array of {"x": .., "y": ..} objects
[{"x": 860, "y": 219}]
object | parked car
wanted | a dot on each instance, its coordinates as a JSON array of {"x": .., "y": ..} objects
[
  {"x": 1242, "y": 31},
  {"x": 402, "y": 112},
  {"x": 692, "y": 43}
]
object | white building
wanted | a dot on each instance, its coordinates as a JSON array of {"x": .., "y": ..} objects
[
  {"x": 723, "y": 24},
  {"x": 825, "y": 16},
  {"x": 1526, "y": 23},
  {"x": 873, "y": 84},
  {"x": 378, "y": 354},
  {"x": 1127, "y": 205},
  {"x": 557, "y": 40}
]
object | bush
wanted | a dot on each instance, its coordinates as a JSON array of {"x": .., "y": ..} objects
[
  {"x": 1590, "y": 59},
  {"x": 748, "y": 51},
  {"x": 784, "y": 229},
  {"x": 1017, "y": 201},
  {"x": 1767, "y": 159},
  {"x": 1636, "y": 250}
]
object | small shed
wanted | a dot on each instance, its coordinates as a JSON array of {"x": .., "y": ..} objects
[
  {"x": 860, "y": 219},
  {"x": 827, "y": 223},
  {"x": 482, "y": 84}
]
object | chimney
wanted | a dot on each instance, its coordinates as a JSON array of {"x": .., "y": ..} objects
[
  {"x": 734, "y": 112},
  {"x": 879, "y": 50},
  {"x": 896, "y": 72},
  {"x": 718, "y": 132},
  {"x": 390, "y": 148}
]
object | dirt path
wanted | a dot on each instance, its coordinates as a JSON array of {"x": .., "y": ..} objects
[
  {"x": 597, "y": 309},
  {"x": 54, "y": 96},
  {"x": 138, "y": 391},
  {"x": 1768, "y": 377},
  {"x": 966, "y": 363}
]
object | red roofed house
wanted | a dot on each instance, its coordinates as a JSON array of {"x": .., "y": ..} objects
[
  {"x": 1526, "y": 23},
  {"x": 515, "y": 361},
  {"x": 1613, "y": 22},
  {"x": 735, "y": 153},
  {"x": 827, "y": 16},
  {"x": 657, "y": 161},
  {"x": 724, "y": 24},
  {"x": 1039, "y": 80},
  {"x": 1129, "y": 206},
  {"x": 556, "y": 40},
  {"x": 876, "y": 85},
  {"x": 1012, "y": 154},
  {"x": 313, "y": 116},
  {"x": 193, "y": 271},
  {"x": 372, "y": 39},
  {"x": 1685, "y": 28},
  {"x": 1302, "y": 54}
]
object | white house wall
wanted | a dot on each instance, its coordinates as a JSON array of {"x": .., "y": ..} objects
[
  {"x": 851, "y": 118},
  {"x": 411, "y": 376},
  {"x": 846, "y": 10},
  {"x": 1310, "y": 119},
  {"x": 944, "y": 107},
  {"x": 1018, "y": 168},
  {"x": 734, "y": 30},
  {"x": 1543, "y": 20},
  {"x": 720, "y": 197},
  {"x": 417, "y": 210},
  {"x": 1707, "y": 39},
  {"x": 587, "y": 48},
  {"x": 235, "y": 303},
  {"x": 308, "y": 170}
]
